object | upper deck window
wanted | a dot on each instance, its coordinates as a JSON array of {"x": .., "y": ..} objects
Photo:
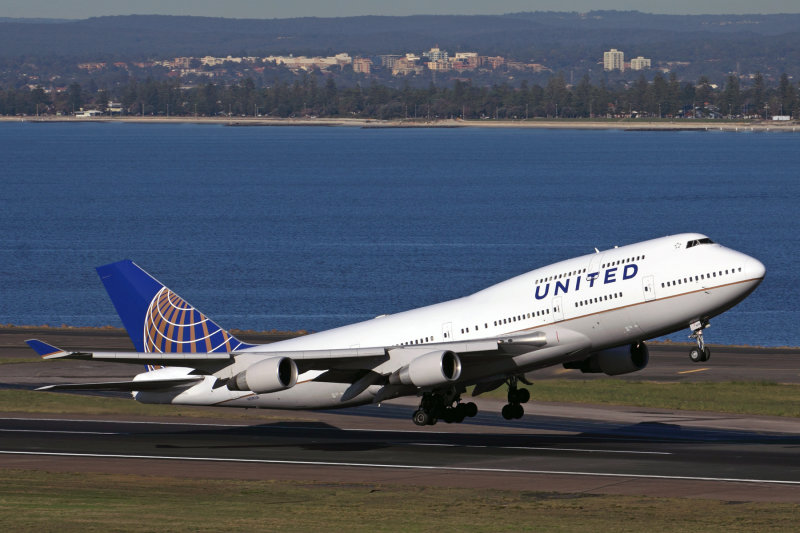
[{"x": 697, "y": 242}]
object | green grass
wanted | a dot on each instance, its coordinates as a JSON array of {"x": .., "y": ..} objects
[
  {"x": 42, "y": 501},
  {"x": 18, "y": 360},
  {"x": 23, "y": 401},
  {"x": 755, "y": 398}
]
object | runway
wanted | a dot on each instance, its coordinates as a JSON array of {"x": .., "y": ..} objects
[
  {"x": 677, "y": 456},
  {"x": 555, "y": 447}
]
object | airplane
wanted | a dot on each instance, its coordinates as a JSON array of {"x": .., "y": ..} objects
[{"x": 591, "y": 313}]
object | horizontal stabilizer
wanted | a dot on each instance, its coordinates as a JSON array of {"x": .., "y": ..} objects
[
  {"x": 129, "y": 386},
  {"x": 47, "y": 351}
]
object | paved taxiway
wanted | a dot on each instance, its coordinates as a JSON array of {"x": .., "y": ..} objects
[{"x": 553, "y": 448}]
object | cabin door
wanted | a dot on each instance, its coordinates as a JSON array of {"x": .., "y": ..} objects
[
  {"x": 447, "y": 331},
  {"x": 647, "y": 287},
  {"x": 558, "y": 312}
]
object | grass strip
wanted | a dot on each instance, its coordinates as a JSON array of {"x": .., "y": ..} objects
[
  {"x": 19, "y": 360},
  {"x": 42, "y": 501},
  {"x": 751, "y": 398},
  {"x": 24, "y": 401}
]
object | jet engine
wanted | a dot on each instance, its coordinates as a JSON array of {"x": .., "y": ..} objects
[
  {"x": 270, "y": 375},
  {"x": 614, "y": 361},
  {"x": 429, "y": 370}
]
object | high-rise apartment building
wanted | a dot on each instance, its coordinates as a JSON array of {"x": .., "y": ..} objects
[
  {"x": 614, "y": 60},
  {"x": 640, "y": 63}
]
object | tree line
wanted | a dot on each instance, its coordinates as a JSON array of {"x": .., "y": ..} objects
[{"x": 317, "y": 95}]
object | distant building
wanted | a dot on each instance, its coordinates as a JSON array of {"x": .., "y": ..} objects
[
  {"x": 614, "y": 60},
  {"x": 407, "y": 65},
  {"x": 465, "y": 61},
  {"x": 91, "y": 67},
  {"x": 182, "y": 62},
  {"x": 435, "y": 54},
  {"x": 388, "y": 60},
  {"x": 310, "y": 63},
  {"x": 640, "y": 63},
  {"x": 88, "y": 113},
  {"x": 492, "y": 62},
  {"x": 115, "y": 108},
  {"x": 362, "y": 65}
]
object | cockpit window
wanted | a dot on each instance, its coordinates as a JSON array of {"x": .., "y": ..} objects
[{"x": 698, "y": 242}]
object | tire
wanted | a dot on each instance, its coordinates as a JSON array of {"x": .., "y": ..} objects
[
  {"x": 506, "y": 412},
  {"x": 470, "y": 409},
  {"x": 512, "y": 395},
  {"x": 706, "y": 353},
  {"x": 523, "y": 395},
  {"x": 695, "y": 355},
  {"x": 518, "y": 411},
  {"x": 421, "y": 418}
]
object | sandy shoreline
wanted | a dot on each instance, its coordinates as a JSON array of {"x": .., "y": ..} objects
[{"x": 588, "y": 124}]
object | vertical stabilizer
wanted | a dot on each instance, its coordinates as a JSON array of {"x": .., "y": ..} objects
[{"x": 157, "y": 319}]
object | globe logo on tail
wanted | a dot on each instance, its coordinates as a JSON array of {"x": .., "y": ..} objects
[{"x": 172, "y": 325}]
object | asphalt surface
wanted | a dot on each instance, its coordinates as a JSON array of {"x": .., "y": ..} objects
[{"x": 563, "y": 448}]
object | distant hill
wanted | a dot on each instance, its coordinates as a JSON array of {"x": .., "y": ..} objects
[{"x": 560, "y": 40}]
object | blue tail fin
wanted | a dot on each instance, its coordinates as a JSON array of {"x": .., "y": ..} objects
[{"x": 157, "y": 319}]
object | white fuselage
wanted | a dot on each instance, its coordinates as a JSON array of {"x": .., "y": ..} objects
[{"x": 614, "y": 297}]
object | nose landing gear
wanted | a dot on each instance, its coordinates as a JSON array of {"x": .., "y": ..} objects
[{"x": 702, "y": 353}]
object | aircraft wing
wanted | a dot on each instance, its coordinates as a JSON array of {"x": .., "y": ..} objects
[
  {"x": 308, "y": 359},
  {"x": 360, "y": 366}
]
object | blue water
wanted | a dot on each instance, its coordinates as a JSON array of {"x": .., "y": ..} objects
[{"x": 310, "y": 228}]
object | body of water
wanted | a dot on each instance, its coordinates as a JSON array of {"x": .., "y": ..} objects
[{"x": 310, "y": 228}]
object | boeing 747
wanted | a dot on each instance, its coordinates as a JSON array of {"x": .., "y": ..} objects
[{"x": 591, "y": 313}]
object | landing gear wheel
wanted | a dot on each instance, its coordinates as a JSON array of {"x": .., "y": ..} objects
[
  {"x": 523, "y": 395},
  {"x": 421, "y": 418},
  {"x": 516, "y": 397},
  {"x": 706, "y": 353},
  {"x": 701, "y": 353},
  {"x": 470, "y": 409}
]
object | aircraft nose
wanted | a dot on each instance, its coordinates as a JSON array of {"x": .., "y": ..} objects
[{"x": 755, "y": 268}]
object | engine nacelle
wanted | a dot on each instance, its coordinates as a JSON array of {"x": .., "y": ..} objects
[
  {"x": 270, "y": 375},
  {"x": 615, "y": 361},
  {"x": 429, "y": 370}
]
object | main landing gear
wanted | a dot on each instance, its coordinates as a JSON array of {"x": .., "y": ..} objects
[
  {"x": 516, "y": 397},
  {"x": 445, "y": 406},
  {"x": 702, "y": 353}
]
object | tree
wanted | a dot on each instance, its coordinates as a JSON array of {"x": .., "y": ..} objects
[
  {"x": 74, "y": 97},
  {"x": 583, "y": 97},
  {"x": 788, "y": 95},
  {"x": 731, "y": 99},
  {"x": 757, "y": 97}
]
